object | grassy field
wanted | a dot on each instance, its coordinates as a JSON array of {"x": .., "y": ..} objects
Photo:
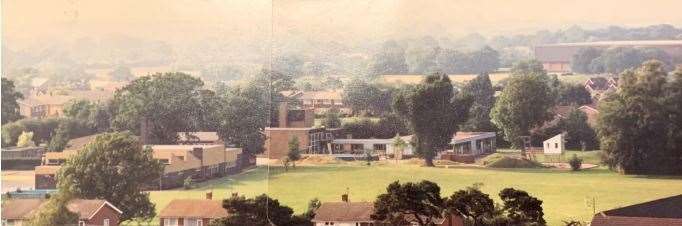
[{"x": 564, "y": 193}]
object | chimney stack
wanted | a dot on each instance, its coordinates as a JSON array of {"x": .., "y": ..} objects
[
  {"x": 344, "y": 197},
  {"x": 209, "y": 195}
]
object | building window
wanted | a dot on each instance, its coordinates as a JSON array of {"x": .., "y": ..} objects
[
  {"x": 556, "y": 145},
  {"x": 106, "y": 222},
  {"x": 170, "y": 222},
  {"x": 81, "y": 223}
]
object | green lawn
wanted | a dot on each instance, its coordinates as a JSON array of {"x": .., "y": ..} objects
[{"x": 564, "y": 193}]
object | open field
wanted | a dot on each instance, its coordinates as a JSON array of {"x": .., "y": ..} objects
[{"x": 564, "y": 193}]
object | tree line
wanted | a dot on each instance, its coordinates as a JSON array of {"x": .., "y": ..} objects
[{"x": 618, "y": 59}]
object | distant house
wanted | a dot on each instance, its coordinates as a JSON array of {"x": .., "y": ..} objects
[
  {"x": 661, "y": 212},
  {"x": 90, "y": 211},
  {"x": 320, "y": 101},
  {"x": 598, "y": 87},
  {"x": 51, "y": 103},
  {"x": 200, "y": 162},
  {"x": 346, "y": 213},
  {"x": 192, "y": 212},
  {"x": 554, "y": 145},
  {"x": 466, "y": 146},
  {"x": 377, "y": 146},
  {"x": 561, "y": 112},
  {"x": 21, "y": 158},
  {"x": 199, "y": 138}
]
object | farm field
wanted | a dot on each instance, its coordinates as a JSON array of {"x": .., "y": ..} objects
[{"x": 564, "y": 193}]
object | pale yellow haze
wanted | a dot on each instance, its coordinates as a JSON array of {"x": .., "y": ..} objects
[{"x": 181, "y": 20}]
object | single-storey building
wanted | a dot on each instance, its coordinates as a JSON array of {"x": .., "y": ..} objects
[
  {"x": 661, "y": 212},
  {"x": 466, "y": 146},
  {"x": 311, "y": 140},
  {"x": 21, "y": 158},
  {"x": 554, "y": 145},
  {"x": 199, "y": 162},
  {"x": 377, "y": 146},
  {"x": 90, "y": 211},
  {"x": 192, "y": 212}
]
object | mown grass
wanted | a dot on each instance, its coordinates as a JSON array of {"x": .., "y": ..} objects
[{"x": 564, "y": 193}]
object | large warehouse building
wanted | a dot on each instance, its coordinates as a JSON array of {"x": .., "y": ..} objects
[{"x": 557, "y": 57}]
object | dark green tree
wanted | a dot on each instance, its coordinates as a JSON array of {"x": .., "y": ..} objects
[
  {"x": 294, "y": 151},
  {"x": 114, "y": 167},
  {"x": 10, "y": 107},
  {"x": 79, "y": 109},
  {"x": 573, "y": 94},
  {"x": 635, "y": 125},
  {"x": 419, "y": 201},
  {"x": 243, "y": 117},
  {"x": 481, "y": 91},
  {"x": 673, "y": 97},
  {"x": 521, "y": 208},
  {"x": 476, "y": 206},
  {"x": 434, "y": 114},
  {"x": 525, "y": 102},
  {"x": 368, "y": 98},
  {"x": 60, "y": 138},
  {"x": 165, "y": 103},
  {"x": 484, "y": 60},
  {"x": 579, "y": 134},
  {"x": 331, "y": 118},
  {"x": 259, "y": 211}
]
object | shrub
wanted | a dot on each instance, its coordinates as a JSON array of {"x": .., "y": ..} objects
[
  {"x": 575, "y": 162},
  {"x": 187, "y": 184},
  {"x": 25, "y": 140}
]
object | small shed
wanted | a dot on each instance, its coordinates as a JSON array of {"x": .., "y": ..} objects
[{"x": 554, "y": 145}]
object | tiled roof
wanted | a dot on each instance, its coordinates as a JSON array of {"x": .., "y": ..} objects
[
  {"x": 25, "y": 208},
  {"x": 46, "y": 170},
  {"x": 17, "y": 209},
  {"x": 665, "y": 211},
  {"x": 344, "y": 211},
  {"x": 195, "y": 208},
  {"x": 598, "y": 83},
  {"x": 202, "y": 136},
  {"x": 322, "y": 95},
  {"x": 80, "y": 142}
]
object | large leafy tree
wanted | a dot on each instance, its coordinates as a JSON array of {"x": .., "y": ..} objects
[
  {"x": 366, "y": 97},
  {"x": 10, "y": 107},
  {"x": 579, "y": 134},
  {"x": 259, "y": 211},
  {"x": 674, "y": 103},
  {"x": 54, "y": 212},
  {"x": 573, "y": 94},
  {"x": 522, "y": 208},
  {"x": 243, "y": 116},
  {"x": 482, "y": 92},
  {"x": 637, "y": 124},
  {"x": 419, "y": 201},
  {"x": 167, "y": 103},
  {"x": 474, "y": 205},
  {"x": 434, "y": 113},
  {"x": 525, "y": 102},
  {"x": 114, "y": 167}
]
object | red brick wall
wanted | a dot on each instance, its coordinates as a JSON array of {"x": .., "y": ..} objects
[
  {"x": 277, "y": 143},
  {"x": 105, "y": 213}
]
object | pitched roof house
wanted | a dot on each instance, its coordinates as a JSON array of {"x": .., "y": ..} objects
[
  {"x": 192, "y": 212},
  {"x": 344, "y": 213},
  {"x": 665, "y": 211},
  {"x": 90, "y": 211}
]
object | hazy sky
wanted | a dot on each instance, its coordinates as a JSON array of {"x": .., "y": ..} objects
[{"x": 184, "y": 20}]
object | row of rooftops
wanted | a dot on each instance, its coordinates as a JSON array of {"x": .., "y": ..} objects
[{"x": 24, "y": 209}]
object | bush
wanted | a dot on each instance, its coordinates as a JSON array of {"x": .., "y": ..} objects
[
  {"x": 575, "y": 162},
  {"x": 25, "y": 140},
  {"x": 509, "y": 162},
  {"x": 188, "y": 183}
]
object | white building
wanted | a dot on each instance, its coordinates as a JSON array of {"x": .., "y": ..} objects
[{"x": 554, "y": 145}]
